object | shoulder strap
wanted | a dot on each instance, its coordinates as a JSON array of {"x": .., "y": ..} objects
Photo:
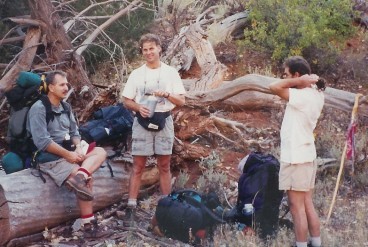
[
  {"x": 66, "y": 107},
  {"x": 49, "y": 113},
  {"x": 47, "y": 104}
]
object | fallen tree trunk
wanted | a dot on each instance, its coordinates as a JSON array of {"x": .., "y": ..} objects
[
  {"x": 27, "y": 205},
  {"x": 252, "y": 92}
]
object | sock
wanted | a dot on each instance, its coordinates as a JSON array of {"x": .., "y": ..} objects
[
  {"x": 84, "y": 172},
  {"x": 315, "y": 241},
  {"x": 301, "y": 244},
  {"x": 87, "y": 218},
  {"x": 132, "y": 203}
]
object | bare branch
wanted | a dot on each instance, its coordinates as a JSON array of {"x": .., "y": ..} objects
[
  {"x": 12, "y": 40},
  {"x": 66, "y": 3},
  {"x": 93, "y": 17},
  {"x": 25, "y": 59},
  {"x": 206, "y": 12},
  {"x": 133, "y": 5},
  {"x": 71, "y": 22},
  {"x": 26, "y": 21}
]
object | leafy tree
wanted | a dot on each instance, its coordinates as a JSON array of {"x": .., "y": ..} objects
[{"x": 298, "y": 27}]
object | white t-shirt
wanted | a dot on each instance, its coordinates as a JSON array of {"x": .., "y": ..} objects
[
  {"x": 145, "y": 80},
  {"x": 300, "y": 119}
]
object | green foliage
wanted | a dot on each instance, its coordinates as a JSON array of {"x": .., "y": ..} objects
[
  {"x": 210, "y": 161},
  {"x": 291, "y": 27},
  {"x": 212, "y": 180}
]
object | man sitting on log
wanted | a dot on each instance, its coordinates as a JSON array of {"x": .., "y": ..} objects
[{"x": 59, "y": 151}]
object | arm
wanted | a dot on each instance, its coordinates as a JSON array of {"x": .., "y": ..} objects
[
  {"x": 72, "y": 157},
  {"x": 133, "y": 106},
  {"x": 176, "y": 99},
  {"x": 281, "y": 87}
]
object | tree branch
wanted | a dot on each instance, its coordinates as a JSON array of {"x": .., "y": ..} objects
[
  {"x": 25, "y": 59},
  {"x": 107, "y": 23},
  {"x": 26, "y": 21},
  {"x": 71, "y": 22}
]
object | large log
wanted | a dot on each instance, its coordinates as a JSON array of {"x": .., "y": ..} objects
[
  {"x": 27, "y": 205},
  {"x": 252, "y": 92}
]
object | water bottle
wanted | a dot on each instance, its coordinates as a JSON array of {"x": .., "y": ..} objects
[
  {"x": 248, "y": 209},
  {"x": 151, "y": 104}
]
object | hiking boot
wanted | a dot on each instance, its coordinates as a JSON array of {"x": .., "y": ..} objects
[
  {"x": 92, "y": 230},
  {"x": 129, "y": 217},
  {"x": 78, "y": 184}
]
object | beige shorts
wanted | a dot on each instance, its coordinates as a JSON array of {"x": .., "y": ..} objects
[
  {"x": 297, "y": 177},
  {"x": 147, "y": 143},
  {"x": 58, "y": 170}
]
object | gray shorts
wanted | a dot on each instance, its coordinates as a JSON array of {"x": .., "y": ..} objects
[
  {"x": 59, "y": 170},
  {"x": 146, "y": 143}
]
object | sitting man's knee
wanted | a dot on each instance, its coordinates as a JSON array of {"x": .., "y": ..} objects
[{"x": 101, "y": 152}]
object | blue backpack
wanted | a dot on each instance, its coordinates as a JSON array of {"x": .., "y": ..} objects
[
  {"x": 258, "y": 185},
  {"x": 109, "y": 124}
]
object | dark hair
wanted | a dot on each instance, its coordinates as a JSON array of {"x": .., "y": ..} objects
[
  {"x": 149, "y": 37},
  {"x": 300, "y": 65},
  {"x": 297, "y": 64},
  {"x": 50, "y": 77}
]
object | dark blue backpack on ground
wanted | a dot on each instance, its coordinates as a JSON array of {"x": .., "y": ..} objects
[
  {"x": 183, "y": 213},
  {"x": 109, "y": 124},
  {"x": 258, "y": 186}
]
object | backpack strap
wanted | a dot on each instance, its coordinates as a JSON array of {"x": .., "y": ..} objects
[
  {"x": 195, "y": 198},
  {"x": 50, "y": 115}
]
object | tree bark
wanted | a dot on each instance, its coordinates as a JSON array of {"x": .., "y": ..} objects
[
  {"x": 212, "y": 71},
  {"x": 27, "y": 205},
  {"x": 58, "y": 47},
  {"x": 180, "y": 54},
  {"x": 24, "y": 61}
]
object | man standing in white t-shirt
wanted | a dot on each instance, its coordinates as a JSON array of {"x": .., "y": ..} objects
[
  {"x": 161, "y": 82},
  {"x": 298, "y": 152}
]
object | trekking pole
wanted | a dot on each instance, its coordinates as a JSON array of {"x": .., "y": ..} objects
[{"x": 353, "y": 114}]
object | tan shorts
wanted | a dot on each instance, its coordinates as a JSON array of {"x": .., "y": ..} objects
[
  {"x": 58, "y": 170},
  {"x": 298, "y": 177},
  {"x": 146, "y": 143}
]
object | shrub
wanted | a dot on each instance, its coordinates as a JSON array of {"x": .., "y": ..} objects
[{"x": 292, "y": 27}]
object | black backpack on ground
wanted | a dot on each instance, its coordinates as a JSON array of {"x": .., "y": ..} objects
[
  {"x": 183, "y": 213},
  {"x": 258, "y": 186}
]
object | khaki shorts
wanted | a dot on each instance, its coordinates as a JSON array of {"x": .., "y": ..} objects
[
  {"x": 297, "y": 177},
  {"x": 146, "y": 143},
  {"x": 58, "y": 170}
]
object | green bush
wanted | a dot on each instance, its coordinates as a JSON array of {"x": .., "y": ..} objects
[{"x": 295, "y": 27}]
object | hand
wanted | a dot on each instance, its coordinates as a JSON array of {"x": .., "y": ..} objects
[
  {"x": 75, "y": 158},
  {"x": 307, "y": 80},
  {"x": 160, "y": 93},
  {"x": 144, "y": 111}
]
